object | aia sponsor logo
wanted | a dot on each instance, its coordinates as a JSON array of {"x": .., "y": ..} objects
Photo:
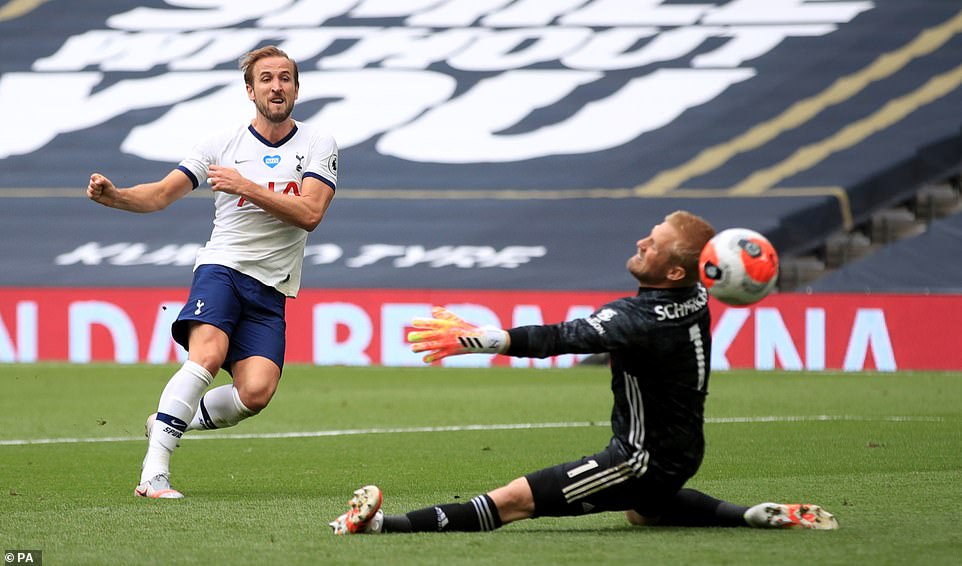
[{"x": 291, "y": 188}]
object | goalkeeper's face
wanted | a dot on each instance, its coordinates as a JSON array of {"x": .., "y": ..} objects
[{"x": 655, "y": 264}]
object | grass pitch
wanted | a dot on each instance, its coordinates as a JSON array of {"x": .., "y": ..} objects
[{"x": 886, "y": 459}]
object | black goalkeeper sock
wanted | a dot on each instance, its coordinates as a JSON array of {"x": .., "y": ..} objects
[
  {"x": 691, "y": 508},
  {"x": 396, "y": 524},
  {"x": 479, "y": 514}
]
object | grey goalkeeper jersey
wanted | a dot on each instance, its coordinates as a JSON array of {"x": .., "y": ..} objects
[{"x": 660, "y": 346}]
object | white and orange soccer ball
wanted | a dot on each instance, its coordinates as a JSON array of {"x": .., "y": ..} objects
[{"x": 738, "y": 266}]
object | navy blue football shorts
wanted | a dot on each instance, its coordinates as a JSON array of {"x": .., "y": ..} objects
[
  {"x": 249, "y": 312},
  {"x": 602, "y": 482}
]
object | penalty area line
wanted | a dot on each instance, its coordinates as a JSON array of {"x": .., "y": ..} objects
[{"x": 460, "y": 428}]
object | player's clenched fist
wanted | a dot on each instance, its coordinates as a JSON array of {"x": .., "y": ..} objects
[
  {"x": 225, "y": 179},
  {"x": 100, "y": 189}
]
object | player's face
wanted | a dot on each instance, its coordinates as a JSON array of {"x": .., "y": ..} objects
[
  {"x": 273, "y": 90},
  {"x": 651, "y": 264}
]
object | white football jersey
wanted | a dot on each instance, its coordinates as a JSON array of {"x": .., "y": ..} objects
[{"x": 245, "y": 237}]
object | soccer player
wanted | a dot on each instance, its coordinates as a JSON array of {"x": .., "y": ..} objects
[
  {"x": 660, "y": 346},
  {"x": 273, "y": 180}
]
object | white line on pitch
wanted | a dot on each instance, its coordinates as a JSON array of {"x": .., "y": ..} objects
[{"x": 459, "y": 428}]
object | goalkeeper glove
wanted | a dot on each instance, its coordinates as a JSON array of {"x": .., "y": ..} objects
[{"x": 447, "y": 335}]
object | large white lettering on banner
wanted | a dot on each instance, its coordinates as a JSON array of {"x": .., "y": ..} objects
[
  {"x": 347, "y": 333},
  {"x": 434, "y": 81},
  {"x": 869, "y": 336}
]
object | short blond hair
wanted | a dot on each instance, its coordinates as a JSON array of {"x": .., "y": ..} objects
[
  {"x": 695, "y": 232},
  {"x": 248, "y": 60}
]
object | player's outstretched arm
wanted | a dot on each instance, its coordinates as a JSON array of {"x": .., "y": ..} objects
[
  {"x": 146, "y": 197},
  {"x": 446, "y": 335}
]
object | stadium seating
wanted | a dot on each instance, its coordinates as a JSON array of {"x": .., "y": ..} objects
[
  {"x": 525, "y": 147},
  {"x": 920, "y": 264}
]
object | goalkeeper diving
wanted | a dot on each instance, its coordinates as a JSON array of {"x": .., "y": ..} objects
[{"x": 659, "y": 342}]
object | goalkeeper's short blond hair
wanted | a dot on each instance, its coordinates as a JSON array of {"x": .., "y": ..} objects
[{"x": 694, "y": 232}]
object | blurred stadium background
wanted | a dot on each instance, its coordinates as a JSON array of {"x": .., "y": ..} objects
[{"x": 500, "y": 157}]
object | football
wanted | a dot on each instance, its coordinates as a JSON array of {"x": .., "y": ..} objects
[{"x": 738, "y": 266}]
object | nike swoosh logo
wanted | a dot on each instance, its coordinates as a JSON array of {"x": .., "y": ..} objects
[
  {"x": 177, "y": 422},
  {"x": 238, "y": 162}
]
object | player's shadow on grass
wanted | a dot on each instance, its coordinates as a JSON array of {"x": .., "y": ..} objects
[{"x": 618, "y": 530}]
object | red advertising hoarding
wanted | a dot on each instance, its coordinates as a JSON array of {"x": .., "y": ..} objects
[{"x": 367, "y": 327}]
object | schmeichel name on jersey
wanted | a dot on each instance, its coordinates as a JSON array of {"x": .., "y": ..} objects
[{"x": 672, "y": 311}]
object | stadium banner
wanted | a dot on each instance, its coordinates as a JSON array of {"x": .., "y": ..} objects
[{"x": 368, "y": 327}]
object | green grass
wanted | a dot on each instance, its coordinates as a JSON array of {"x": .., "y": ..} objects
[{"x": 893, "y": 484}]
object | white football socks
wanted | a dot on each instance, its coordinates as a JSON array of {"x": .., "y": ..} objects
[
  {"x": 178, "y": 403},
  {"x": 221, "y": 407}
]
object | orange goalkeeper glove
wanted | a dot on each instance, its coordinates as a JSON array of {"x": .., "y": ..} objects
[{"x": 447, "y": 335}]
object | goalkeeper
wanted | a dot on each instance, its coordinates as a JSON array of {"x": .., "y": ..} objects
[{"x": 660, "y": 346}]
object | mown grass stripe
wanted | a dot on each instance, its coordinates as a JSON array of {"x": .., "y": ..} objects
[{"x": 462, "y": 428}]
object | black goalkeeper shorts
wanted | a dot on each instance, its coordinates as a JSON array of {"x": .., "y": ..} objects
[{"x": 602, "y": 482}]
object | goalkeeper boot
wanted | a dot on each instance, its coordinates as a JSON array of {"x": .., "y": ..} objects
[
  {"x": 157, "y": 487},
  {"x": 364, "y": 516},
  {"x": 790, "y": 516}
]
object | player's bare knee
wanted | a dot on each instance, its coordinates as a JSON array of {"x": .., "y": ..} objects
[
  {"x": 514, "y": 501},
  {"x": 256, "y": 397},
  {"x": 255, "y": 403}
]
